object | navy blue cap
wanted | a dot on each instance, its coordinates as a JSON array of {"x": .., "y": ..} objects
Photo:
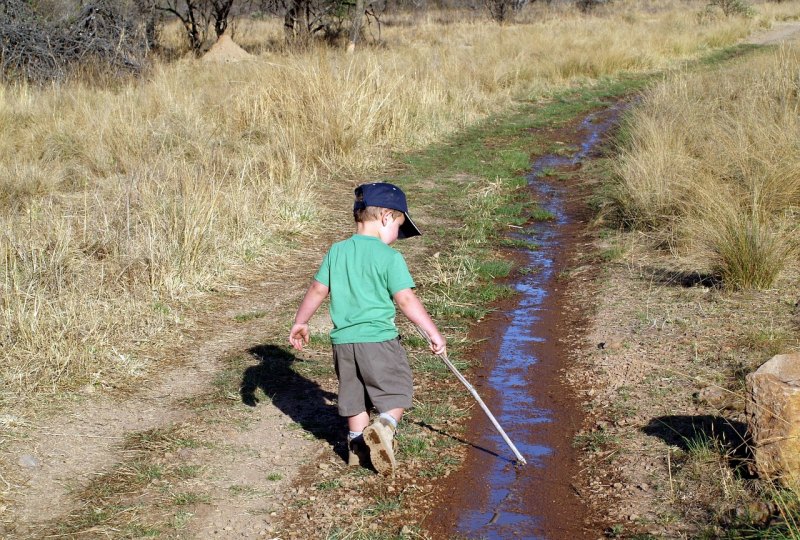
[{"x": 389, "y": 196}]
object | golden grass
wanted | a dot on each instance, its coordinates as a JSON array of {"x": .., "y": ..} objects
[
  {"x": 713, "y": 166},
  {"x": 122, "y": 203}
]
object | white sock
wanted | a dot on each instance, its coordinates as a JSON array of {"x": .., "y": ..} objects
[
  {"x": 353, "y": 435},
  {"x": 390, "y": 419}
]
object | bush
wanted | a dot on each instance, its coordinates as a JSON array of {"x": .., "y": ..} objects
[
  {"x": 750, "y": 252},
  {"x": 733, "y": 7},
  {"x": 37, "y": 51}
]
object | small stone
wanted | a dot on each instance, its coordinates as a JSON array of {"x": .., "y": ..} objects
[
  {"x": 28, "y": 461},
  {"x": 644, "y": 487},
  {"x": 618, "y": 485},
  {"x": 633, "y": 517}
]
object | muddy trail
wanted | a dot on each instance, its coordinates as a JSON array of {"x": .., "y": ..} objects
[
  {"x": 526, "y": 347},
  {"x": 241, "y": 438}
]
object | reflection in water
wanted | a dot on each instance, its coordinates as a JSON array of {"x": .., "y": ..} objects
[{"x": 506, "y": 515}]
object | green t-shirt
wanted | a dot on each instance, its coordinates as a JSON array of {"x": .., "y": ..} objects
[{"x": 363, "y": 274}]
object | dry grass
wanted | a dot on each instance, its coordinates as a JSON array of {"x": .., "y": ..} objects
[
  {"x": 122, "y": 203},
  {"x": 713, "y": 167}
]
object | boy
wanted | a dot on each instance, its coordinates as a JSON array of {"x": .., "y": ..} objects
[{"x": 363, "y": 274}]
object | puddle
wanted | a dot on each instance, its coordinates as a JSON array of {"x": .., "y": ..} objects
[{"x": 494, "y": 498}]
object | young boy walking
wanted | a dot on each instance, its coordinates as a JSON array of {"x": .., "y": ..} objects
[{"x": 365, "y": 278}]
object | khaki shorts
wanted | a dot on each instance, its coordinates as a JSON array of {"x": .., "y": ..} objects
[{"x": 372, "y": 372}]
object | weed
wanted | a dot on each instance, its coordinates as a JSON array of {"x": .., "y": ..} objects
[
  {"x": 611, "y": 254},
  {"x": 162, "y": 439},
  {"x": 528, "y": 270},
  {"x": 186, "y": 472},
  {"x": 186, "y": 499},
  {"x": 766, "y": 341},
  {"x": 413, "y": 446},
  {"x": 329, "y": 485},
  {"x": 384, "y": 505},
  {"x": 541, "y": 214},
  {"x": 492, "y": 269},
  {"x": 181, "y": 520},
  {"x": 435, "y": 470},
  {"x": 274, "y": 477},
  {"x": 319, "y": 340},
  {"x": 249, "y": 316},
  {"x": 519, "y": 243},
  {"x": 595, "y": 441}
]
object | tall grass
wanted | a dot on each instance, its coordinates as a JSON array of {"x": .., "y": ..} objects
[
  {"x": 122, "y": 203},
  {"x": 713, "y": 166}
]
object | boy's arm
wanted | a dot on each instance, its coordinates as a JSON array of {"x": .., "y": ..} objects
[
  {"x": 298, "y": 335},
  {"x": 412, "y": 308}
]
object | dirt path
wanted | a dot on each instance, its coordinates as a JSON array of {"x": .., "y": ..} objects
[
  {"x": 781, "y": 32},
  {"x": 206, "y": 470},
  {"x": 88, "y": 439}
]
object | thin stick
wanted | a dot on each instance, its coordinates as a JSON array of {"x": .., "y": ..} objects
[{"x": 474, "y": 393}]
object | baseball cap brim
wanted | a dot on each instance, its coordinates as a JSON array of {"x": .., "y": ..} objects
[{"x": 408, "y": 228}]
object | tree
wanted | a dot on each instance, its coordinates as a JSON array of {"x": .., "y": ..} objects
[
  {"x": 192, "y": 16},
  {"x": 502, "y": 10},
  {"x": 220, "y": 11},
  {"x": 196, "y": 16}
]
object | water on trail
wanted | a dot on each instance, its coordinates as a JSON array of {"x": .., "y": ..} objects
[{"x": 493, "y": 497}]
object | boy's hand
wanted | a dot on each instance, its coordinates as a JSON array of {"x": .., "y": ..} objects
[
  {"x": 298, "y": 335},
  {"x": 438, "y": 344}
]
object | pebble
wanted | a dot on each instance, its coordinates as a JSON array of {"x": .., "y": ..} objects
[{"x": 28, "y": 461}]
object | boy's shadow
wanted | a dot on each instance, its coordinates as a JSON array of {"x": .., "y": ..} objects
[{"x": 303, "y": 400}]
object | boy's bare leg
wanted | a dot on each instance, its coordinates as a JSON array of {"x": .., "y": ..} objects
[
  {"x": 357, "y": 452},
  {"x": 358, "y": 422}
]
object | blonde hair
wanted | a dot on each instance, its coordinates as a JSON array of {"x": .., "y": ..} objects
[{"x": 373, "y": 213}]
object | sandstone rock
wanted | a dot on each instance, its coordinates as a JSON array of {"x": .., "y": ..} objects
[{"x": 773, "y": 417}]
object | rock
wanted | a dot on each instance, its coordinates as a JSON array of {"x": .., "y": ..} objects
[
  {"x": 28, "y": 461},
  {"x": 719, "y": 398},
  {"x": 753, "y": 512},
  {"x": 773, "y": 418}
]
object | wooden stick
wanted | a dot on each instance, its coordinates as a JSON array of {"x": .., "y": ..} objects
[{"x": 474, "y": 393}]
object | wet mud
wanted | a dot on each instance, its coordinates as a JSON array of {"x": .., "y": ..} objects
[{"x": 524, "y": 349}]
